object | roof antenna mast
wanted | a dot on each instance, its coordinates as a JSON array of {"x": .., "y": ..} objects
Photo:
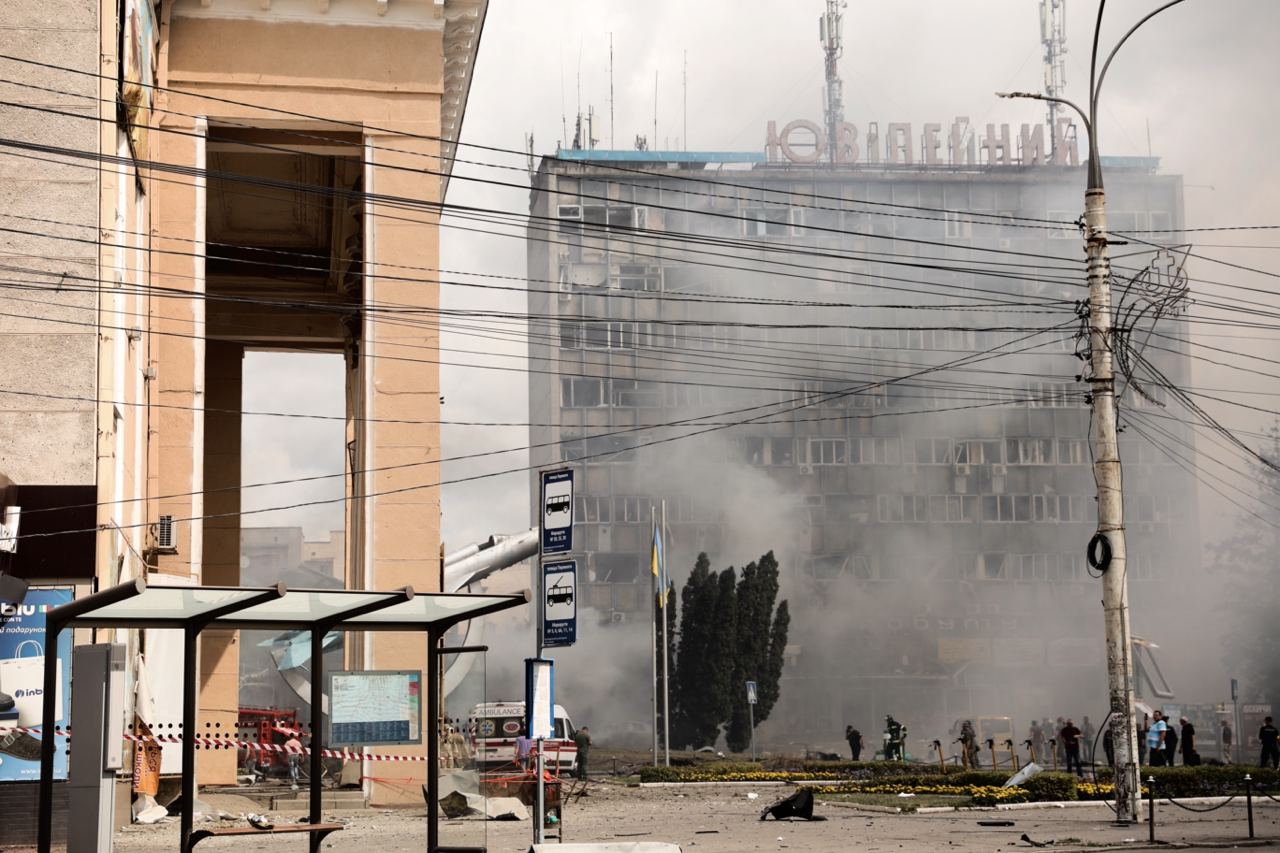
[
  {"x": 1053, "y": 35},
  {"x": 829, "y": 32}
]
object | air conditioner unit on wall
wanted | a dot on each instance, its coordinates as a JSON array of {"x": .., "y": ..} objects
[
  {"x": 806, "y": 469},
  {"x": 164, "y": 535},
  {"x": 617, "y": 617}
]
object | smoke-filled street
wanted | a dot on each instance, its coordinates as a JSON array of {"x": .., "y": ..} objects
[{"x": 726, "y": 820}]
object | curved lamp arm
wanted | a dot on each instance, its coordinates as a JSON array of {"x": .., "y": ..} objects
[{"x": 1095, "y": 86}]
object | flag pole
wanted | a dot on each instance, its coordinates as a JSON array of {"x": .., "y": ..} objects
[
  {"x": 666, "y": 653},
  {"x": 653, "y": 633}
]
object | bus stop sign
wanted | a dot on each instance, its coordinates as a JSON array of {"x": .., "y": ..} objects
[{"x": 557, "y": 512}]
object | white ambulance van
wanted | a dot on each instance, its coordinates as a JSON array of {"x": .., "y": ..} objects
[{"x": 493, "y": 729}]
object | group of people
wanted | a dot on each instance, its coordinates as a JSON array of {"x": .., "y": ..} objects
[
  {"x": 895, "y": 740},
  {"x": 1070, "y": 745},
  {"x": 581, "y": 740},
  {"x": 1160, "y": 741}
]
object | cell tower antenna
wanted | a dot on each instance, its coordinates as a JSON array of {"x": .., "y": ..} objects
[
  {"x": 830, "y": 26},
  {"x": 655, "y": 107},
  {"x": 612, "y": 143},
  {"x": 1053, "y": 35}
]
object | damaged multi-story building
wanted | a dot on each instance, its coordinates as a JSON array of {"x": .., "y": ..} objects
[{"x": 872, "y": 366}]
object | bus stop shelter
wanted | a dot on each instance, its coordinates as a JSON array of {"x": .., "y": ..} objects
[{"x": 192, "y": 609}]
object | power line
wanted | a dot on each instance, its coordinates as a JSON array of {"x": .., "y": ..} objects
[{"x": 824, "y": 398}]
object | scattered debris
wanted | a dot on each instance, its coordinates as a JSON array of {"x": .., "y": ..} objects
[
  {"x": 1023, "y": 775},
  {"x": 799, "y": 804},
  {"x": 505, "y": 808},
  {"x": 752, "y": 795},
  {"x": 459, "y": 804},
  {"x": 1048, "y": 842},
  {"x": 995, "y": 823},
  {"x": 258, "y": 821},
  {"x": 147, "y": 810}
]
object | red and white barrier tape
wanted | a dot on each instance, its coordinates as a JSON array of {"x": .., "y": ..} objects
[{"x": 200, "y": 741}]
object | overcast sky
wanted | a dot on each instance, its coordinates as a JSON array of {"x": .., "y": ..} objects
[{"x": 1200, "y": 77}]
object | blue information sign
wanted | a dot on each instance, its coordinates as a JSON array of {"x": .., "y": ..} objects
[
  {"x": 559, "y": 603},
  {"x": 557, "y": 512}
]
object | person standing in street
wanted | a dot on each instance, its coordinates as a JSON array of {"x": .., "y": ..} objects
[
  {"x": 969, "y": 743},
  {"x": 854, "y": 737},
  {"x": 582, "y": 740},
  {"x": 895, "y": 739},
  {"x": 524, "y": 748},
  {"x": 1037, "y": 740},
  {"x": 1190, "y": 758},
  {"x": 1143, "y": 730},
  {"x": 1224, "y": 742},
  {"x": 1270, "y": 754},
  {"x": 293, "y": 750},
  {"x": 1170, "y": 741},
  {"x": 1088, "y": 735},
  {"x": 1071, "y": 746},
  {"x": 1155, "y": 739}
]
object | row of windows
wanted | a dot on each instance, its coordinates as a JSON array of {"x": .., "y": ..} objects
[
  {"x": 946, "y": 509},
  {"x": 593, "y": 392},
  {"x": 987, "y": 566},
  {"x": 892, "y": 450},
  {"x": 592, "y": 509}
]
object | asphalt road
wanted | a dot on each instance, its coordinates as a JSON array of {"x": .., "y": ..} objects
[{"x": 726, "y": 819}]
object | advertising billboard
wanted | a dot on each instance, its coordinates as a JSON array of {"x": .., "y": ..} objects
[{"x": 22, "y": 684}]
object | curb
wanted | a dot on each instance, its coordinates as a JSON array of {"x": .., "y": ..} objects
[{"x": 714, "y": 784}]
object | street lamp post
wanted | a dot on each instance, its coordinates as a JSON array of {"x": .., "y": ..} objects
[{"x": 1110, "y": 537}]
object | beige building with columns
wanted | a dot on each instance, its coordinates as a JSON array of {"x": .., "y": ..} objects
[{"x": 278, "y": 189}]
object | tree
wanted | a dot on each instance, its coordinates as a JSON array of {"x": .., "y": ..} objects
[
  {"x": 694, "y": 722},
  {"x": 729, "y": 634},
  {"x": 757, "y": 592},
  {"x": 722, "y": 650}
]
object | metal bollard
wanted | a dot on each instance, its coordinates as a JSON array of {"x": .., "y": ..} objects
[
  {"x": 1248, "y": 800},
  {"x": 1151, "y": 808}
]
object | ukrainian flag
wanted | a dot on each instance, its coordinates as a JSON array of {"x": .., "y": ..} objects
[{"x": 658, "y": 564}]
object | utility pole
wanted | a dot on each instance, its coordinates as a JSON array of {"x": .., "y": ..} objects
[
  {"x": 1106, "y": 472},
  {"x": 1107, "y": 548},
  {"x": 666, "y": 648},
  {"x": 829, "y": 30},
  {"x": 653, "y": 636}
]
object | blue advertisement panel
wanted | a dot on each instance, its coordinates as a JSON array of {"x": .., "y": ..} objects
[
  {"x": 557, "y": 512},
  {"x": 560, "y": 603},
  {"x": 22, "y": 685}
]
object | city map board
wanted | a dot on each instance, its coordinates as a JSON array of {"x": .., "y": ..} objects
[{"x": 375, "y": 707}]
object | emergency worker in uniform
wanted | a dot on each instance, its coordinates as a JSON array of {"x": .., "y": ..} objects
[{"x": 895, "y": 738}]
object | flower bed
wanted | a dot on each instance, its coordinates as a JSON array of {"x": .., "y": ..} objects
[{"x": 978, "y": 795}]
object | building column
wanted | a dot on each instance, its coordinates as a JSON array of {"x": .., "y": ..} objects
[
  {"x": 220, "y": 650},
  {"x": 401, "y": 382}
]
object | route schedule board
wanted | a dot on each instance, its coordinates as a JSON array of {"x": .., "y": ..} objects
[{"x": 375, "y": 707}]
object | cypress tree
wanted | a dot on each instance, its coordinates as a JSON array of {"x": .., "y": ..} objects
[
  {"x": 722, "y": 650},
  {"x": 770, "y": 682},
  {"x": 757, "y": 592},
  {"x": 690, "y": 706}
]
